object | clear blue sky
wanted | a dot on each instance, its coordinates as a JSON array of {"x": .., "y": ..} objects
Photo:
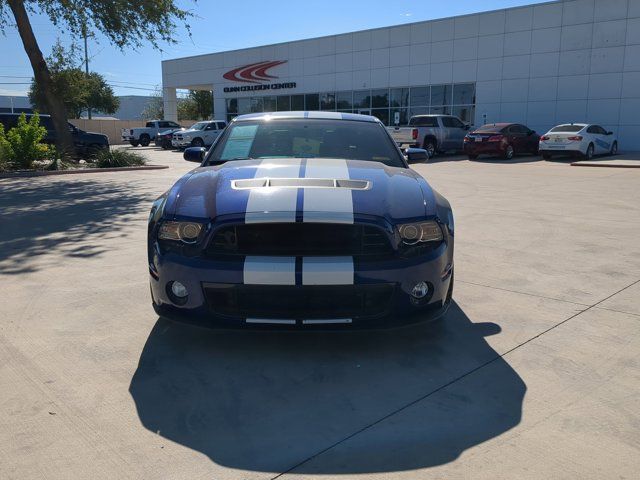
[{"x": 220, "y": 26}]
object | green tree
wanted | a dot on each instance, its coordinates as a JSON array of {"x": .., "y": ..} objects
[
  {"x": 203, "y": 102},
  {"x": 77, "y": 90},
  {"x": 154, "y": 110},
  {"x": 122, "y": 22}
]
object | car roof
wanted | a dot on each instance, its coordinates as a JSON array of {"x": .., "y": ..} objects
[
  {"x": 576, "y": 124},
  {"x": 306, "y": 114}
]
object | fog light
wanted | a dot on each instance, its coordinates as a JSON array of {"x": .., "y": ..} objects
[
  {"x": 420, "y": 290},
  {"x": 179, "y": 290}
]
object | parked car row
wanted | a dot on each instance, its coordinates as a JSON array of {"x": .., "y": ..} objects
[
  {"x": 167, "y": 134},
  {"x": 443, "y": 133}
]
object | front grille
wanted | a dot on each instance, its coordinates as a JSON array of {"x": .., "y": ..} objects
[
  {"x": 299, "y": 302},
  {"x": 299, "y": 239}
]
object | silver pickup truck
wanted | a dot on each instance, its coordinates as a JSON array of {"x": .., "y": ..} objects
[{"x": 434, "y": 133}]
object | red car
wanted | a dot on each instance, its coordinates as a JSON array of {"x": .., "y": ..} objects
[{"x": 501, "y": 139}]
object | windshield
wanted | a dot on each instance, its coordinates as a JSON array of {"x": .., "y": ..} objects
[
  {"x": 306, "y": 138},
  {"x": 567, "y": 128},
  {"x": 198, "y": 126}
]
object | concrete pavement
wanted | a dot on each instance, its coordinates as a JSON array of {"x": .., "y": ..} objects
[{"x": 534, "y": 374}]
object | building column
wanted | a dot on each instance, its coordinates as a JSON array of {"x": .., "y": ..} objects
[
  {"x": 170, "y": 101},
  {"x": 219, "y": 108}
]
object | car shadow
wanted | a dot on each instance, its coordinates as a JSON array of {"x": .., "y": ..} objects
[
  {"x": 67, "y": 217},
  {"x": 515, "y": 159},
  {"x": 267, "y": 401}
]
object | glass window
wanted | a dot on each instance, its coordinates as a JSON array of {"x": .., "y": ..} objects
[
  {"x": 440, "y": 95},
  {"x": 452, "y": 122},
  {"x": 419, "y": 96},
  {"x": 344, "y": 100},
  {"x": 283, "y": 103},
  {"x": 327, "y": 101},
  {"x": 257, "y": 104},
  {"x": 403, "y": 116},
  {"x": 464, "y": 93},
  {"x": 362, "y": 99},
  {"x": 312, "y": 101},
  {"x": 297, "y": 103},
  {"x": 399, "y": 97},
  {"x": 269, "y": 104},
  {"x": 423, "y": 122},
  {"x": 418, "y": 111},
  {"x": 244, "y": 105},
  {"x": 567, "y": 128},
  {"x": 440, "y": 110},
  {"x": 382, "y": 114},
  {"x": 380, "y": 98},
  {"x": 466, "y": 113},
  {"x": 232, "y": 105},
  {"x": 308, "y": 138}
]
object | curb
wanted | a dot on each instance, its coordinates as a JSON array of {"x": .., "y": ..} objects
[
  {"x": 605, "y": 165},
  {"x": 45, "y": 173}
]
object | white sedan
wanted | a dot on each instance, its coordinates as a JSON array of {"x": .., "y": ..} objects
[{"x": 578, "y": 138}]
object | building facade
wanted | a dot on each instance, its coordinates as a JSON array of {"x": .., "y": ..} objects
[{"x": 541, "y": 65}]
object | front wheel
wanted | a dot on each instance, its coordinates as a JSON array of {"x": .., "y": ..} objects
[
  {"x": 614, "y": 149},
  {"x": 589, "y": 154},
  {"x": 197, "y": 142},
  {"x": 508, "y": 153}
]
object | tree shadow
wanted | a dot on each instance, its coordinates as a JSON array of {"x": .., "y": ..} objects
[
  {"x": 63, "y": 218},
  {"x": 266, "y": 401}
]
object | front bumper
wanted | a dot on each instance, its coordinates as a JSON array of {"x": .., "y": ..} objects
[
  {"x": 183, "y": 143},
  {"x": 396, "y": 276}
]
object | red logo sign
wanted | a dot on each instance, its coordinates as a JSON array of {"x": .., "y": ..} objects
[{"x": 254, "y": 73}]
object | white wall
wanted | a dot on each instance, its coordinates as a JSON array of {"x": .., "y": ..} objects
[{"x": 573, "y": 60}]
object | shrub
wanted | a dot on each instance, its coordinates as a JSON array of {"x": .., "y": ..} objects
[
  {"x": 118, "y": 158},
  {"x": 21, "y": 146}
]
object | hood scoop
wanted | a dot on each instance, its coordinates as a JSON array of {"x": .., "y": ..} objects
[{"x": 251, "y": 183}]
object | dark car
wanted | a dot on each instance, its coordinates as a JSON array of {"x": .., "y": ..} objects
[
  {"x": 163, "y": 139},
  {"x": 85, "y": 142},
  {"x": 301, "y": 220},
  {"x": 501, "y": 140}
]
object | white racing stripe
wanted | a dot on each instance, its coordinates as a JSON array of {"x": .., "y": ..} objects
[
  {"x": 327, "y": 205},
  {"x": 270, "y": 205},
  {"x": 269, "y": 270},
  {"x": 270, "y": 321},
  {"x": 327, "y": 321},
  {"x": 327, "y": 271}
]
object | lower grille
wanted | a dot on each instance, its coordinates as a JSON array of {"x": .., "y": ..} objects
[
  {"x": 299, "y": 239},
  {"x": 299, "y": 302}
]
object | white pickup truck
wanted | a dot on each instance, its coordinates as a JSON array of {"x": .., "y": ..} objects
[
  {"x": 144, "y": 136},
  {"x": 434, "y": 133}
]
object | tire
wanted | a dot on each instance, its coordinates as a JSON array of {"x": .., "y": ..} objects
[
  {"x": 589, "y": 153},
  {"x": 614, "y": 149},
  {"x": 472, "y": 157},
  {"x": 430, "y": 146},
  {"x": 166, "y": 145},
  {"x": 197, "y": 142},
  {"x": 546, "y": 156},
  {"x": 134, "y": 143},
  {"x": 509, "y": 153},
  {"x": 145, "y": 140}
]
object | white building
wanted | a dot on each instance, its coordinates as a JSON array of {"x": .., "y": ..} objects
[{"x": 544, "y": 64}]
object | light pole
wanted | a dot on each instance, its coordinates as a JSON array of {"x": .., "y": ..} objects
[{"x": 86, "y": 62}]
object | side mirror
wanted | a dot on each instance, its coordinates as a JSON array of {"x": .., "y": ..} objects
[
  {"x": 416, "y": 155},
  {"x": 194, "y": 154},
  {"x": 609, "y": 133}
]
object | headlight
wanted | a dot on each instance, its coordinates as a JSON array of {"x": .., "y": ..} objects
[
  {"x": 186, "y": 232},
  {"x": 412, "y": 233}
]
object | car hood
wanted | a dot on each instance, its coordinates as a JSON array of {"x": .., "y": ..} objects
[
  {"x": 191, "y": 130},
  {"x": 320, "y": 190}
]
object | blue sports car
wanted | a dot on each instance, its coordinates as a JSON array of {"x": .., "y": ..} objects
[{"x": 301, "y": 220}]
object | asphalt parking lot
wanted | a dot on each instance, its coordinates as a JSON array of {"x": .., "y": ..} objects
[{"x": 535, "y": 373}]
